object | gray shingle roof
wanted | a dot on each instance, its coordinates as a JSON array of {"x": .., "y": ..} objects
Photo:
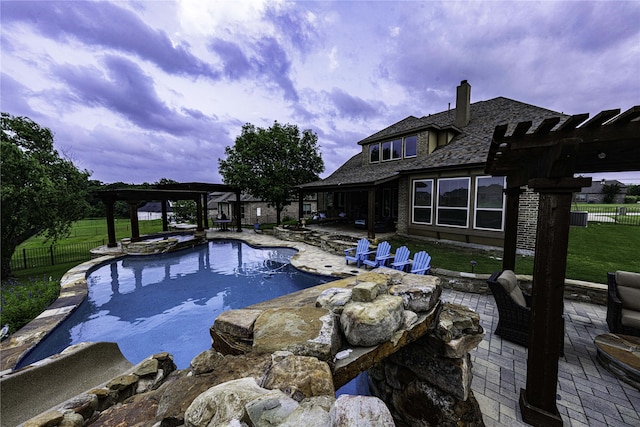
[{"x": 469, "y": 147}]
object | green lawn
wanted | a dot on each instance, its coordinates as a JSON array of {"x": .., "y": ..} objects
[{"x": 89, "y": 230}]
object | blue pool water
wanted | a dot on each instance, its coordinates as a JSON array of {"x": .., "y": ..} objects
[{"x": 168, "y": 302}]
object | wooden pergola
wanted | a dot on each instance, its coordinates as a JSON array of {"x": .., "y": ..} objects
[
  {"x": 547, "y": 160},
  {"x": 197, "y": 192}
]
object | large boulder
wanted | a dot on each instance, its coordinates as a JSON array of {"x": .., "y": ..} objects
[
  {"x": 358, "y": 411},
  {"x": 300, "y": 376},
  {"x": 371, "y": 323},
  {"x": 311, "y": 412},
  {"x": 271, "y": 409},
  {"x": 223, "y": 404},
  {"x": 305, "y": 331}
]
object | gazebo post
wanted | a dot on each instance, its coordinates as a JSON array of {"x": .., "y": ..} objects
[
  {"x": 111, "y": 227},
  {"x": 538, "y": 400},
  {"x": 198, "y": 201},
  {"x": 133, "y": 216},
  {"x": 165, "y": 221}
]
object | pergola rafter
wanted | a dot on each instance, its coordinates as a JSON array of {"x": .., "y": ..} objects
[{"x": 546, "y": 159}]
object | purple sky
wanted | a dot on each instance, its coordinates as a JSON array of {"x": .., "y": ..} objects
[{"x": 135, "y": 91}]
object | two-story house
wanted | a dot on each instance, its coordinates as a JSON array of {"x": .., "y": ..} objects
[{"x": 425, "y": 176}]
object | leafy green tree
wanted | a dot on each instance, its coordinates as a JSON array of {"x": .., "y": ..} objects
[
  {"x": 41, "y": 192},
  {"x": 633, "y": 190},
  {"x": 270, "y": 163},
  {"x": 610, "y": 191}
]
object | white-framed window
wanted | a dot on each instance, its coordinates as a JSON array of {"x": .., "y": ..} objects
[
  {"x": 410, "y": 146},
  {"x": 453, "y": 202},
  {"x": 374, "y": 153},
  {"x": 306, "y": 208},
  {"x": 392, "y": 150},
  {"x": 422, "y": 201},
  {"x": 490, "y": 200}
]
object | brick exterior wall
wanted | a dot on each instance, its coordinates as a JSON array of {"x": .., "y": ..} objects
[{"x": 527, "y": 220}]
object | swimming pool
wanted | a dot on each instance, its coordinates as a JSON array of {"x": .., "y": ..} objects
[{"x": 156, "y": 303}]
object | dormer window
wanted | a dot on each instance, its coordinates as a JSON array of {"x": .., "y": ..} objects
[{"x": 393, "y": 150}]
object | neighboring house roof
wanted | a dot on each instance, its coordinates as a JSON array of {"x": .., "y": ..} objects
[
  {"x": 153, "y": 207},
  {"x": 228, "y": 197},
  {"x": 468, "y": 148},
  {"x": 596, "y": 186}
]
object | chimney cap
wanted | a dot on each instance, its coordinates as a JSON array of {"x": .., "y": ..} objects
[{"x": 464, "y": 82}]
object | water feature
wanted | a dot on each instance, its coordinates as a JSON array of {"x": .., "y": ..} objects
[{"x": 155, "y": 303}]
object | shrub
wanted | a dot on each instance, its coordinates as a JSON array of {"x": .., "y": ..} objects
[
  {"x": 630, "y": 199},
  {"x": 22, "y": 301}
]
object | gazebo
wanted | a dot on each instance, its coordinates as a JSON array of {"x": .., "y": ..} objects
[
  {"x": 549, "y": 160},
  {"x": 180, "y": 191}
]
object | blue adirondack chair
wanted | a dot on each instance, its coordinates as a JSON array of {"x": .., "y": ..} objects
[
  {"x": 381, "y": 257},
  {"x": 421, "y": 263},
  {"x": 401, "y": 259},
  {"x": 358, "y": 252}
]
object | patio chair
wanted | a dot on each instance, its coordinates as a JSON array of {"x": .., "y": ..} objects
[
  {"x": 358, "y": 252},
  {"x": 256, "y": 228},
  {"x": 421, "y": 263},
  {"x": 623, "y": 303},
  {"x": 382, "y": 254},
  {"x": 401, "y": 258},
  {"x": 514, "y": 309}
]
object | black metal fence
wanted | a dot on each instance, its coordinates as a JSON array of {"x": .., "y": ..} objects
[
  {"x": 622, "y": 215},
  {"x": 54, "y": 254}
]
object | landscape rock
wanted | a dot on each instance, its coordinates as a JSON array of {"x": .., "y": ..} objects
[
  {"x": 452, "y": 376},
  {"x": 311, "y": 412},
  {"x": 435, "y": 409},
  {"x": 271, "y": 409},
  {"x": 365, "y": 292},
  {"x": 221, "y": 404},
  {"x": 72, "y": 419},
  {"x": 306, "y": 331},
  {"x": 46, "y": 419},
  {"x": 85, "y": 405},
  {"x": 147, "y": 367},
  {"x": 371, "y": 323},
  {"x": 419, "y": 297},
  {"x": 357, "y": 411},
  {"x": 300, "y": 377},
  {"x": 139, "y": 409},
  {"x": 334, "y": 299},
  {"x": 205, "y": 362},
  {"x": 455, "y": 321}
]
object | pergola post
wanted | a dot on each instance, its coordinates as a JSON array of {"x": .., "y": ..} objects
[
  {"x": 111, "y": 227},
  {"x": 133, "y": 216},
  {"x": 538, "y": 400},
  {"x": 511, "y": 228}
]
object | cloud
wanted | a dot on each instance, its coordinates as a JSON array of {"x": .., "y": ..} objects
[
  {"x": 106, "y": 25},
  {"x": 352, "y": 106}
]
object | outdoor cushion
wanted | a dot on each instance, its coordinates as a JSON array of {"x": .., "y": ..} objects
[
  {"x": 629, "y": 289},
  {"x": 510, "y": 284},
  {"x": 630, "y": 318}
]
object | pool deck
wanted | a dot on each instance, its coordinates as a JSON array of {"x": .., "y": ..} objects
[{"x": 588, "y": 394}]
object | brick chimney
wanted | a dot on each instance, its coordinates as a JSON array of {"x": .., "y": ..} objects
[{"x": 463, "y": 104}]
